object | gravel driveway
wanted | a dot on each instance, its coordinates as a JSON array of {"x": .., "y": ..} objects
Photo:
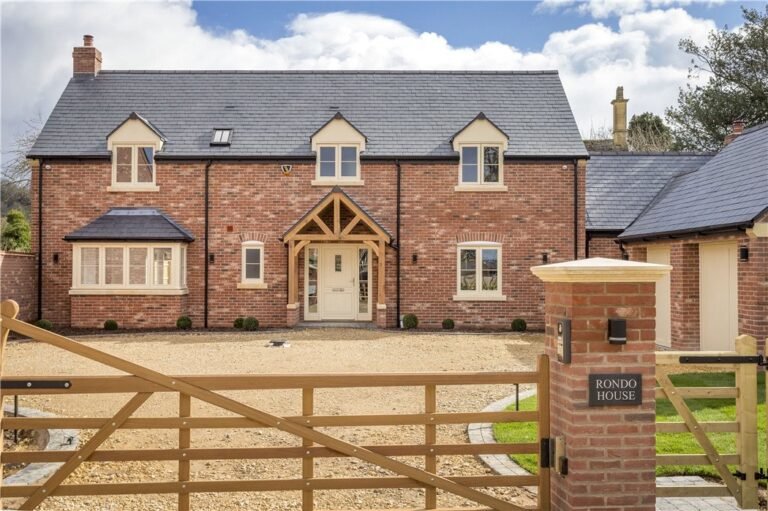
[{"x": 311, "y": 351}]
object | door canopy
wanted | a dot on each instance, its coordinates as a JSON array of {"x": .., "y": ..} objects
[{"x": 337, "y": 218}]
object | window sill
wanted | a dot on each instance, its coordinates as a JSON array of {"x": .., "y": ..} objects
[
  {"x": 480, "y": 188},
  {"x": 140, "y": 292},
  {"x": 135, "y": 188},
  {"x": 252, "y": 285},
  {"x": 337, "y": 182},
  {"x": 479, "y": 298}
]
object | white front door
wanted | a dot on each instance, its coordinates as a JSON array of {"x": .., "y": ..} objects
[
  {"x": 338, "y": 279},
  {"x": 718, "y": 296},
  {"x": 659, "y": 254}
]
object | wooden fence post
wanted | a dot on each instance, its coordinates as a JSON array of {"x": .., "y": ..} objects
[
  {"x": 8, "y": 309},
  {"x": 746, "y": 415},
  {"x": 185, "y": 442}
]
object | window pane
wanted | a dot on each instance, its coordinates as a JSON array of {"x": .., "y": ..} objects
[
  {"x": 312, "y": 280},
  {"x": 490, "y": 269},
  {"x": 468, "y": 270},
  {"x": 252, "y": 263},
  {"x": 349, "y": 169},
  {"x": 183, "y": 263},
  {"x": 349, "y": 154},
  {"x": 162, "y": 267},
  {"x": 328, "y": 161},
  {"x": 469, "y": 165},
  {"x": 144, "y": 168},
  {"x": 89, "y": 266},
  {"x": 363, "y": 280},
  {"x": 113, "y": 266},
  {"x": 123, "y": 164},
  {"x": 337, "y": 262},
  {"x": 491, "y": 164},
  {"x": 137, "y": 266}
]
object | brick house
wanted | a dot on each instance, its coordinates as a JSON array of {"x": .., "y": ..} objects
[
  {"x": 707, "y": 216},
  {"x": 304, "y": 196}
]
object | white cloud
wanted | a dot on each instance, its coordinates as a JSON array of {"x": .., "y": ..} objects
[
  {"x": 606, "y": 8},
  {"x": 593, "y": 59}
]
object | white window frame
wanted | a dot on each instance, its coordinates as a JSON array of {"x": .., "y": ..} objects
[
  {"x": 337, "y": 178},
  {"x": 176, "y": 287},
  {"x": 480, "y": 184},
  {"x": 251, "y": 283},
  {"x": 134, "y": 185},
  {"x": 479, "y": 295}
]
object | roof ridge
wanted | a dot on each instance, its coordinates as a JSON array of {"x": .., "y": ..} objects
[
  {"x": 652, "y": 153},
  {"x": 329, "y": 71},
  {"x": 756, "y": 127}
]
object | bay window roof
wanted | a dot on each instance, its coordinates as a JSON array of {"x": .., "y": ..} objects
[{"x": 131, "y": 224}]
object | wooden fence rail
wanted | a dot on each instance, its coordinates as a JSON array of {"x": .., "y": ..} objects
[
  {"x": 744, "y": 427},
  {"x": 142, "y": 383}
]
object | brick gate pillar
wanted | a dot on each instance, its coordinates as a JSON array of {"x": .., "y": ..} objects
[{"x": 610, "y": 446}]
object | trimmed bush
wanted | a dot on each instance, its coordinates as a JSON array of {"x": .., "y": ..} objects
[
  {"x": 44, "y": 324},
  {"x": 410, "y": 321},
  {"x": 110, "y": 324},
  {"x": 250, "y": 324},
  {"x": 184, "y": 323},
  {"x": 519, "y": 325},
  {"x": 448, "y": 324},
  {"x": 239, "y": 322}
]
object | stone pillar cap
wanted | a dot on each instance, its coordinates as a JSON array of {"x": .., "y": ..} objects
[{"x": 600, "y": 269}]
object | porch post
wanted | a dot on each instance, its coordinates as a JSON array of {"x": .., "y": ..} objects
[
  {"x": 292, "y": 315},
  {"x": 381, "y": 295}
]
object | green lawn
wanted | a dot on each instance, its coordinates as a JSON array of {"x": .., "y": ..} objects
[{"x": 666, "y": 443}]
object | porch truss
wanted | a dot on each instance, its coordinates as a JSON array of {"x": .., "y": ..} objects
[{"x": 336, "y": 218}]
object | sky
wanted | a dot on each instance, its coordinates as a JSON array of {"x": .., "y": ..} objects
[{"x": 596, "y": 45}]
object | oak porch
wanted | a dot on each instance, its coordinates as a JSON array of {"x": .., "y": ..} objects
[{"x": 336, "y": 219}]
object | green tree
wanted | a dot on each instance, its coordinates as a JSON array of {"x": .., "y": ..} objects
[
  {"x": 647, "y": 132},
  {"x": 15, "y": 233},
  {"x": 735, "y": 65}
]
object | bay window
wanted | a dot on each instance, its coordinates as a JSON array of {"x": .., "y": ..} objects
[
  {"x": 129, "y": 268},
  {"x": 479, "y": 271}
]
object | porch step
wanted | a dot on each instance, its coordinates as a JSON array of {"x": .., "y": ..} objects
[{"x": 368, "y": 325}]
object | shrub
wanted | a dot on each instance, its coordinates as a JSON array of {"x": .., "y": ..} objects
[
  {"x": 44, "y": 324},
  {"x": 250, "y": 324},
  {"x": 184, "y": 323},
  {"x": 110, "y": 324},
  {"x": 519, "y": 325},
  {"x": 239, "y": 322},
  {"x": 410, "y": 321},
  {"x": 448, "y": 324}
]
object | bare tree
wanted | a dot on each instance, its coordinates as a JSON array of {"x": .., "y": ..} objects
[{"x": 16, "y": 169}]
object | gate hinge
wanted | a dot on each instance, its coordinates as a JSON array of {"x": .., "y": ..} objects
[
  {"x": 760, "y": 360},
  {"x": 740, "y": 475},
  {"x": 547, "y": 453},
  {"x": 35, "y": 384},
  {"x": 761, "y": 475}
]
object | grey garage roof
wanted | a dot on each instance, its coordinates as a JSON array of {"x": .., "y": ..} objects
[
  {"x": 728, "y": 191},
  {"x": 620, "y": 184},
  {"x": 131, "y": 224},
  {"x": 273, "y": 113}
]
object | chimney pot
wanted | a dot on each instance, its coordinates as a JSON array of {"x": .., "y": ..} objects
[{"x": 86, "y": 59}]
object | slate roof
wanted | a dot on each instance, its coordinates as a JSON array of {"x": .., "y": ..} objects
[
  {"x": 403, "y": 113},
  {"x": 620, "y": 185},
  {"x": 728, "y": 191},
  {"x": 134, "y": 224}
]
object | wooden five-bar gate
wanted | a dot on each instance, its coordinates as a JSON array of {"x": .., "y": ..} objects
[
  {"x": 737, "y": 470},
  {"x": 143, "y": 383}
]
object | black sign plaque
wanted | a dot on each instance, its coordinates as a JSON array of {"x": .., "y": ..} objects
[{"x": 615, "y": 389}]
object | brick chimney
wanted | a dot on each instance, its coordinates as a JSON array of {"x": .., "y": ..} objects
[
  {"x": 737, "y": 128},
  {"x": 86, "y": 59},
  {"x": 620, "y": 141}
]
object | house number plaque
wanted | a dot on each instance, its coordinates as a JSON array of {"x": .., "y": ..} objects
[{"x": 615, "y": 389}]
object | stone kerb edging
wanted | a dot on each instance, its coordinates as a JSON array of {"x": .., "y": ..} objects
[
  {"x": 482, "y": 433},
  {"x": 58, "y": 440}
]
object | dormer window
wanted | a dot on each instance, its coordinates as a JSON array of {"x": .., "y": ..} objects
[
  {"x": 338, "y": 145},
  {"x": 222, "y": 136},
  {"x": 481, "y": 145},
  {"x": 480, "y": 164},
  {"x": 134, "y": 144}
]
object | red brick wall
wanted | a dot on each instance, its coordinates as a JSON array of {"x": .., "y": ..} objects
[
  {"x": 90, "y": 311},
  {"x": 603, "y": 245},
  {"x": 254, "y": 200},
  {"x": 752, "y": 286},
  {"x": 611, "y": 450},
  {"x": 18, "y": 281}
]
